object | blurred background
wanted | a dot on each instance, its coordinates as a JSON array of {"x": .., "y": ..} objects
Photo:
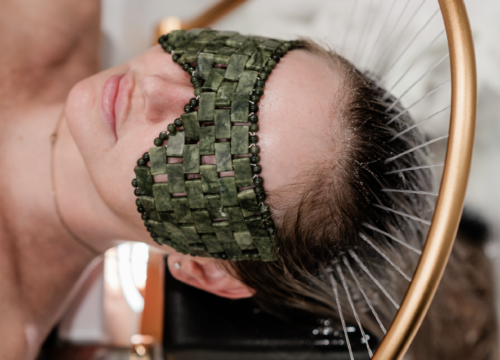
[{"x": 108, "y": 304}]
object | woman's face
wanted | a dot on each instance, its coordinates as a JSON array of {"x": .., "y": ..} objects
[{"x": 115, "y": 115}]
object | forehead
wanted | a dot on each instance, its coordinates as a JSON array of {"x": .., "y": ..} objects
[{"x": 296, "y": 118}]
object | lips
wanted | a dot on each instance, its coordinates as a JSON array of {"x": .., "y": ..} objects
[{"x": 108, "y": 100}]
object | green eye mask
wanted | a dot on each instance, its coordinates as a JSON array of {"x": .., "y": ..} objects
[{"x": 206, "y": 210}]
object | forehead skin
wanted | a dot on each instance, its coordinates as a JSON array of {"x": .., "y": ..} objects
[{"x": 295, "y": 120}]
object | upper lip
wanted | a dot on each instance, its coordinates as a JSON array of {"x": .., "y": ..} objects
[
  {"x": 116, "y": 98},
  {"x": 122, "y": 101}
]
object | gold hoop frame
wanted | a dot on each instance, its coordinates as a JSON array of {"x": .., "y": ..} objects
[{"x": 453, "y": 185}]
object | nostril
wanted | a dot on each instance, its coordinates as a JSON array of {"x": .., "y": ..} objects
[{"x": 163, "y": 98}]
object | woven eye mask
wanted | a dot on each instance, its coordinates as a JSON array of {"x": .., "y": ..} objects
[{"x": 206, "y": 210}]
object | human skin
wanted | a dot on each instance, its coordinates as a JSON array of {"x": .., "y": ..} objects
[
  {"x": 294, "y": 128},
  {"x": 39, "y": 261}
]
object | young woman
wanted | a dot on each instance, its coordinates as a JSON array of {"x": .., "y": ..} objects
[{"x": 71, "y": 140}]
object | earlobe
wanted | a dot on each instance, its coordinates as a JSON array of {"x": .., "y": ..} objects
[{"x": 206, "y": 274}]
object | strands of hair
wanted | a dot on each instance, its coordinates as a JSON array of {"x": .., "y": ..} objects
[
  {"x": 327, "y": 219},
  {"x": 365, "y": 213}
]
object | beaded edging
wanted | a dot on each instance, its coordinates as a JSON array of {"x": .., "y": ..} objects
[{"x": 201, "y": 209}]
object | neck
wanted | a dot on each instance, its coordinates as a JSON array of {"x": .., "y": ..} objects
[{"x": 40, "y": 261}]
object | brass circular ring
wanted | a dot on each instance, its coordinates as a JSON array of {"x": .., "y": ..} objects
[{"x": 453, "y": 185}]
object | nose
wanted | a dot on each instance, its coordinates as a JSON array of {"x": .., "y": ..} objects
[{"x": 164, "y": 98}]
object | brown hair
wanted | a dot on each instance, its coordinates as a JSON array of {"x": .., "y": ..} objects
[
  {"x": 338, "y": 204},
  {"x": 338, "y": 198}
]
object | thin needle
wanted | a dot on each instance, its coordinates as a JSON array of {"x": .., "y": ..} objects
[{"x": 336, "y": 292}]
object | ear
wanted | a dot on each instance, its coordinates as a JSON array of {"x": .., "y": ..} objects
[{"x": 206, "y": 274}]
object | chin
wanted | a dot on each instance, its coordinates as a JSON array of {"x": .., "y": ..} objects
[{"x": 81, "y": 101}]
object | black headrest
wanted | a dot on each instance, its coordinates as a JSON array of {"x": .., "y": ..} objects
[{"x": 198, "y": 324}]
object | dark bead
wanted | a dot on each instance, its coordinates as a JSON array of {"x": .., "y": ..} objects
[
  {"x": 259, "y": 91},
  {"x": 136, "y": 192},
  {"x": 188, "y": 108},
  {"x": 140, "y": 209},
  {"x": 276, "y": 58},
  {"x": 138, "y": 202},
  {"x": 269, "y": 223},
  {"x": 263, "y": 76},
  {"x": 192, "y": 254},
  {"x": 149, "y": 229},
  {"x": 141, "y": 162},
  {"x": 271, "y": 63},
  {"x": 153, "y": 235},
  {"x": 258, "y": 181},
  {"x": 186, "y": 67},
  {"x": 280, "y": 52},
  {"x": 254, "y": 108},
  {"x": 253, "y": 139},
  {"x": 193, "y": 102},
  {"x": 144, "y": 216},
  {"x": 256, "y": 169},
  {"x": 171, "y": 129},
  {"x": 255, "y": 256},
  {"x": 261, "y": 198},
  {"x": 260, "y": 83},
  {"x": 267, "y": 69},
  {"x": 190, "y": 70},
  {"x": 258, "y": 189},
  {"x": 146, "y": 223},
  {"x": 254, "y": 98},
  {"x": 255, "y": 150},
  {"x": 216, "y": 256},
  {"x": 168, "y": 49},
  {"x": 254, "y": 128},
  {"x": 175, "y": 57},
  {"x": 271, "y": 231},
  {"x": 193, "y": 80},
  {"x": 255, "y": 159},
  {"x": 265, "y": 216},
  {"x": 178, "y": 122},
  {"x": 145, "y": 156},
  {"x": 163, "y": 135},
  {"x": 162, "y": 39},
  {"x": 253, "y": 118},
  {"x": 158, "y": 142},
  {"x": 223, "y": 256},
  {"x": 134, "y": 183}
]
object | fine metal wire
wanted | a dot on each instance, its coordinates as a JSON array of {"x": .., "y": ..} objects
[
  {"x": 411, "y": 192},
  {"x": 417, "y": 102},
  {"x": 355, "y": 313},
  {"x": 404, "y": 243},
  {"x": 388, "y": 92},
  {"x": 403, "y": 214},
  {"x": 370, "y": 305},
  {"x": 386, "y": 21},
  {"x": 419, "y": 123},
  {"x": 365, "y": 269},
  {"x": 416, "y": 148},
  {"x": 416, "y": 82},
  {"x": 384, "y": 55},
  {"x": 382, "y": 79},
  {"x": 339, "y": 307},
  {"x": 362, "y": 36},
  {"x": 413, "y": 168},
  {"x": 384, "y": 255},
  {"x": 366, "y": 55}
]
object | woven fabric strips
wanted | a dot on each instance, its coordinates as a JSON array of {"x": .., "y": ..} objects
[{"x": 201, "y": 207}]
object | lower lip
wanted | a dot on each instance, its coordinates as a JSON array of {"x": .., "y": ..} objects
[{"x": 108, "y": 99}]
